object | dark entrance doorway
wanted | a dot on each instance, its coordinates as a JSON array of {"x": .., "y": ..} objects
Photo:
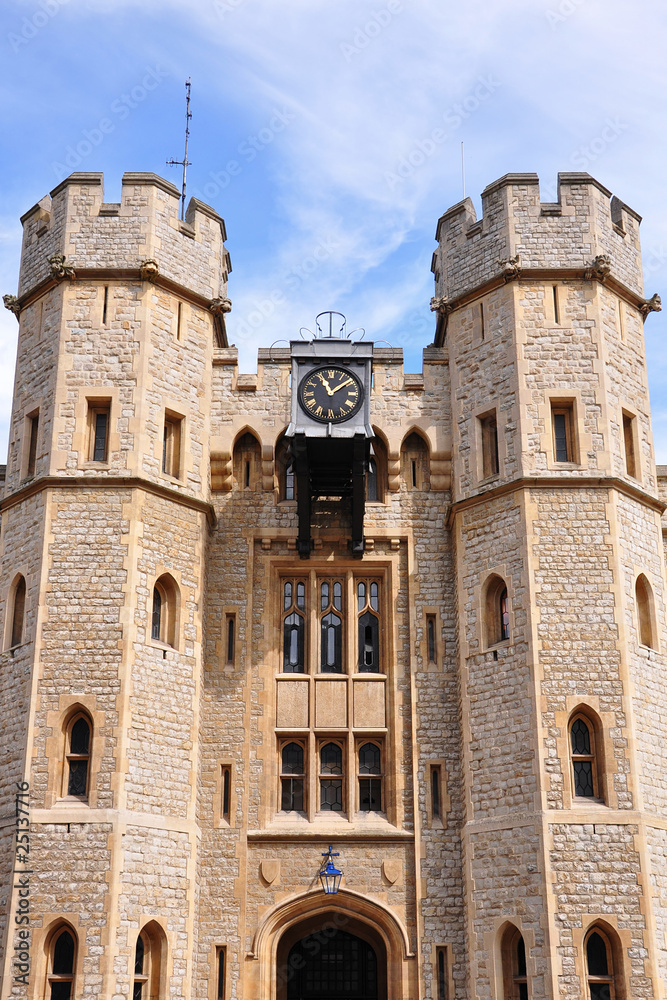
[{"x": 332, "y": 965}]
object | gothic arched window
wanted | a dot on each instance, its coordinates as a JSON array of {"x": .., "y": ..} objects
[
  {"x": 586, "y": 778},
  {"x": 331, "y": 626},
  {"x": 17, "y": 604},
  {"x": 368, "y": 607},
  {"x": 645, "y": 612},
  {"x": 165, "y": 608},
  {"x": 294, "y": 626},
  {"x": 61, "y": 965},
  {"x": 600, "y": 977},
  {"x": 415, "y": 462},
  {"x": 515, "y": 977},
  {"x": 79, "y": 734},
  {"x": 247, "y": 462},
  {"x": 495, "y": 611}
]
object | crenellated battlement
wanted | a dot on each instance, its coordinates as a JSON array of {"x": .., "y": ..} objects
[
  {"x": 585, "y": 222},
  {"x": 74, "y": 221}
]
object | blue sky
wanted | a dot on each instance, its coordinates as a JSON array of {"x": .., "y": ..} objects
[{"x": 306, "y": 114}]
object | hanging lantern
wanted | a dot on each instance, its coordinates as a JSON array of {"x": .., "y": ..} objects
[{"x": 330, "y": 876}]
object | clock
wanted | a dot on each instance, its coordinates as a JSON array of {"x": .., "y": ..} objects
[{"x": 330, "y": 394}]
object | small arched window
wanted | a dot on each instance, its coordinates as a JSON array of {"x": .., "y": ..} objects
[
  {"x": 415, "y": 462},
  {"x": 515, "y": 977},
  {"x": 495, "y": 610},
  {"x": 78, "y": 738},
  {"x": 247, "y": 462},
  {"x": 585, "y": 763},
  {"x": 600, "y": 977},
  {"x": 61, "y": 966},
  {"x": 17, "y": 605},
  {"x": 645, "y": 612},
  {"x": 164, "y": 610},
  {"x": 147, "y": 963}
]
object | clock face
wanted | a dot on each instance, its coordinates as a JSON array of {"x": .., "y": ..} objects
[{"x": 330, "y": 394}]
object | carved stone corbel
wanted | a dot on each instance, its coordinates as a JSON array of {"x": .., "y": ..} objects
[
  {"x": 440, "y": 304},
  {"x": 12, "y": 303},
  {"x": 59, "y": 269},
  {"x": 654, "y": 304},
  {"x": 149, "y": 269},
  {"x": 510, "y": 268},
  {"x": 599, "y": 268},
  {"x": 220, "y": 306}
]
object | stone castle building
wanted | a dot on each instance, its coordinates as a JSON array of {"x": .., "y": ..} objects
[{"x": 418, "y": 620}]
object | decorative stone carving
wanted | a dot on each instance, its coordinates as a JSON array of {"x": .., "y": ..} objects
[
  {"x": 149, "y": 269},
  {"x": 59, "y": 269},
  {"x": 654, "y": 304},
  {"x": 599, "y": 268},
  {"x": 12, "y": 303},
  {"x": 510, "y": 268},
  {"x": 391, "y": 871},
  {"x": 440, "y": 305},
  {"x": 270, "y": 871},
  {"x": 220, "y": 306}
]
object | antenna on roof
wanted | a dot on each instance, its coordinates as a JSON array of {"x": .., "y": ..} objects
[
  {"x": 185, "y": 163},
  {"x": 463, "y": 171}
]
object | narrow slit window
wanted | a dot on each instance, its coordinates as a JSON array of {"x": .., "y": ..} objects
[
  {"x": 226, "y": 791},
  {"x": 515, "y": 977},
  {"x": 554, "y": 290},
  {"x": 179, "y": 312},
  {"x": 629, "y": 443},
  {"x": 140, "y": 976},
  {"x": 171, "y": 445},
  {"x": 231, "y": 637},
  {"x": 220, "y": 995},
  {"x": 105, "y": 304},
  {"x": 436, "y": 808},
  {"x": 621, "y": 319},
  {"x": 98, "y": 424},
  {"x": 489, "y": 429},
  {"x": 645, "y": 611},
  {"x": 430, "y": 638},
  {"x": 33, "y": 431},
  {"x": 414, "y": 474},
  {"x": 482, "y": 331},
  {"x": 503, "y": 615},
  {"x": 331, "y": 778},
  {"x": 562, "y": 420},
  {"x": 441, "y": 974},
  {"x": 370, "y": 778}
]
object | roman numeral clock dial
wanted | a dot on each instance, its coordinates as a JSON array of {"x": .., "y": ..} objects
[{"x": 331, "y": 394}]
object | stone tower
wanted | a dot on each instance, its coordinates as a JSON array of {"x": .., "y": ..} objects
[{"x": 200, "y": 692}]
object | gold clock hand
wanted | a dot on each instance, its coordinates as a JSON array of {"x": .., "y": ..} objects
[
  {"x": 326, "y": 384},
  {"x": 342, "y": 385}
]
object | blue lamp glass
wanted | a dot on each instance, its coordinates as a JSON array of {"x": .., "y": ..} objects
[{"x": 330, "y": 876}]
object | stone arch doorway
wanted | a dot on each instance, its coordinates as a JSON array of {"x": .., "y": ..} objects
[
  {"x": 332, "y": 957},
  {"x": 310, "y": 913}
]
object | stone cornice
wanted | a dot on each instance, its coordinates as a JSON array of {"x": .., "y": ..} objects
[
  {"x": 557, "y": 482},
  {"x": 530, "y": 275},
  {"x": 98, "y": 274},
  {"x": 107, "y": 483}
]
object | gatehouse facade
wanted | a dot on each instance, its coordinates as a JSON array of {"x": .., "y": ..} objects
[{"x": 411, "y": 626}]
